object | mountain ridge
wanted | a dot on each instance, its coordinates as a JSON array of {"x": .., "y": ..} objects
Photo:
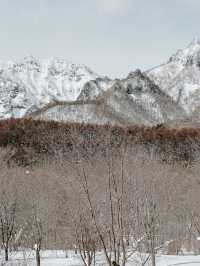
[
  {"x": 179, "y": 77},
  {"x": 59, "y": 90}
]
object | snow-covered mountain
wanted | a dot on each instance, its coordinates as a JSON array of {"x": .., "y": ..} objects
[
  {"x": 32, "y": 84},
  {"x": 133, "y": 100},
  {"x": 180, "y": 77},
  {"x": 59, "y": 90}
]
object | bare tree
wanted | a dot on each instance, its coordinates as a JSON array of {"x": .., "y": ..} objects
[
  {"x": 86, "y": 240},
  {"x": 8, "y": 208},
  {"x": 39, "y": 209},
  {"x": 7, "y": 222}
]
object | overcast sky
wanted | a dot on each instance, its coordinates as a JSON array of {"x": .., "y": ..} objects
[{"x": 112, "y": 37}]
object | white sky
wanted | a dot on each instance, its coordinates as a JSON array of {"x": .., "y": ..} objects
[{"x": 113, "y": 37}]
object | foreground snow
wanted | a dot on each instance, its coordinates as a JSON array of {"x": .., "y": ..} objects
[{"x": 58, "y": 258}]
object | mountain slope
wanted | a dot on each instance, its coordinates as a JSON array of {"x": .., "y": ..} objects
[
  {"x": 180, "y": 77},
  {"x": 133, "y": 100},
  {"x": 29, "y": 85},
  {"x": 58, "y": 90}
]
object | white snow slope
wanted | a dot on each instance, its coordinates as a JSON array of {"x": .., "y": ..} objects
[
  {"x": 31, "y": 84},
  {"x": 57, "y": 258},
  {"x": 133, "y": 100},
  {"x": 180, "y": 77}
]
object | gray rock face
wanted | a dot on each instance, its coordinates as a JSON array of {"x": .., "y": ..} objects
[{"x": 133, "y": 100}]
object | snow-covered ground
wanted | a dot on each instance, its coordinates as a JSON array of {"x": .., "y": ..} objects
[{"x": 58, "y": 258}]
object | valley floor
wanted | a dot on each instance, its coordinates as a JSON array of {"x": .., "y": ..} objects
[{"x": 58, "y": 258}]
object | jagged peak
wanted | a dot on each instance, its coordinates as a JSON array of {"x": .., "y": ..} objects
[
  {"x": 195, "y": 42},
  {"x": 49, "y": 61},
  {"x": 186, "y": 54},
  {"x": 30, "y": 58},
  {"x": 135, "y": 73},
  {"x": 55, "y": 65}
]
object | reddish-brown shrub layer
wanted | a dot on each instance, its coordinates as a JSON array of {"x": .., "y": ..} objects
[{"x": 33, "y": 139}]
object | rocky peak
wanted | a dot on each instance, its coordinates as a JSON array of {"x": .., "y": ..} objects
[
  {"x": 133, "y": 74},
  {"x": 189, "y": 55}
]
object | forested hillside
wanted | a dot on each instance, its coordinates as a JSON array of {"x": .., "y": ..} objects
[{"x": 31, "y": 142}]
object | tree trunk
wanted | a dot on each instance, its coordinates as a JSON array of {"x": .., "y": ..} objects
[
  {"x": 89, "y": 262},
  {"x": 123, "y": 253},
  {"x": 153, "y": 253},
  {"x": 153, "y": 258},
  {"x": 37, "y": 257},
  {"x": 6, "y": 253}
]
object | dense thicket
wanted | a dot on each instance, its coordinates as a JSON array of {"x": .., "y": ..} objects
[{"x": 32, "y": 141}]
